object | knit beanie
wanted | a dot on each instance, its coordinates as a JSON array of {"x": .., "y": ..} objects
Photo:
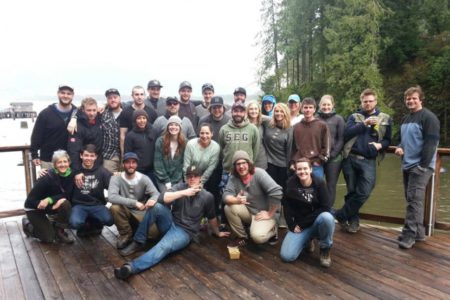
[{"x": 241, "y": 155}]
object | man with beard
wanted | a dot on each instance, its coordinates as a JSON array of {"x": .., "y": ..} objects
[
  {"x": 203, "y": 108},
  {"x": 172, "y": 109},
  {"x": 239, "y": 95},
  {"x": 111, "y": 126},
  {"x": 216, "y": 117},
  {"x": 238, "y": 134},
  {"x": 154, "y": 98},
  {"x": 131, "y": 194},
  {"x": 126, "y": 121},
  {"x": 49, "y": 132},
  {"x": 187, "y": 107}
]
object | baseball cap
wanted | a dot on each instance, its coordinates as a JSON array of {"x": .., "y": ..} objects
[
  {"x": 185, "y": 84},
  {"x": 216, "y": 101},
  {"x": 240, "y": 90},
  {"x": 192, "y": 170},
  {"x": 65, "y": 87},
  {"x": 111, "y": 92},
  {"x": 294, "y": 97},
  {"x": 154, "y": 83},
  {"x": 207, "y": 86},
  {"x": 238, "y": 104},
  {"x": 130, "y": 155}
]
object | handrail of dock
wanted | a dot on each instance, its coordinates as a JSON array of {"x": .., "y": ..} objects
[{"x": 431, "y": 200}]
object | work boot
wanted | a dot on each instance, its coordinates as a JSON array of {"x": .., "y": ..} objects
[
  {"x": 123, "y": 272},
  {"x": 325, "y": 258},
  {"x": 238, "y": 242},
  {"x": 353, "y": 227},
  {"x": 132, "y": 248},
  {"x": 27, "y": 227},
  {"x": 123, "y": 241},
  {"x": 62, "y": 236},
  {"x": 407, "y": 242}
]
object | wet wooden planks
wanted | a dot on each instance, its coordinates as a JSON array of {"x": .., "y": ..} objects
[{"x": 366, "y": 265}]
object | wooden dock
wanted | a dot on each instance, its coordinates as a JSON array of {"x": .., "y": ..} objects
[{"x": 366, "y": 265}]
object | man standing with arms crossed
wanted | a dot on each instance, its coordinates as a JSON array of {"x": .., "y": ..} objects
[{"x": 419, "y": 134}]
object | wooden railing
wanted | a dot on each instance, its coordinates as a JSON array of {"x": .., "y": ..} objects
[{"x": 431, "y": 200}]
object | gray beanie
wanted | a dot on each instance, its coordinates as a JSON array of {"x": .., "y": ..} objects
[
  {"x": 174, "y": 119},
  {"x": 241, "y": 155}
]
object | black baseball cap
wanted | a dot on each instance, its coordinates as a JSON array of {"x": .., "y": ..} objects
[
  {"x": 192, "y": 170},
  {"x": 216, "y": 101},
  {"x": 185, "y": 84},
  {"x": 154, "y": 83},
  {"x": 240, "y": 90},
  {"x": 207, "y": 86},
  {"x": 63, "y": 87},
  {"x": 112, "y": 92}
]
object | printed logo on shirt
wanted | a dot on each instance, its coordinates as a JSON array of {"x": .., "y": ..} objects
[
  {"x": 90, "y": 183},
  {"x": 236, "y": 137}
]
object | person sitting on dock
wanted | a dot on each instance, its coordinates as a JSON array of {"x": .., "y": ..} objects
[
  {"x": 307, "y": 207},
  {"x": 89, "y": 212},
  {"x": 251, "y": 197},
  {"x": 48, "y": 204},
  {"x": 190, "y": 203},
  {"x": 49, "y": 132},
  {"x": 131, "y": 194},
  {"x": 419, "y": 141}
]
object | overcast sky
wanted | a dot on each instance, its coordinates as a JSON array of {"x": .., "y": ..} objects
[{"x": 94, "y": 45}]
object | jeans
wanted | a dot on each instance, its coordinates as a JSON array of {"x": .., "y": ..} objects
[
  {"x": 174, "y": 238},
  {"x": 360, "y": 175},
  {"x": 99, "y": 215},
  {"x": 318, "y": 171},
  {"x": 415, "y": 182},
  {"x": 322, "y": 229}
]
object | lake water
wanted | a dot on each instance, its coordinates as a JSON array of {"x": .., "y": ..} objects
[{"x": 387, "y": 198}]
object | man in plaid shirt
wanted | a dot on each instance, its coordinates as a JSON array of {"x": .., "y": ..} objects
[{"x": 111, "y": 131}]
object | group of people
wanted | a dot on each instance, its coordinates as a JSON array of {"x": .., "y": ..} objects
[{"x": 171, "y": 163}]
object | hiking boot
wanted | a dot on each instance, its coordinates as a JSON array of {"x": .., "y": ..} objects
[
  {"x": 238, "y": 242},
  {"x": 353, "y": 227},
  {"x": 62, "y": 236},
  {"x": 325, "y": 258},
  {"x": 419, "y": 238},
  {"x": 132, "y": 248},
  {"x": 123, "y": 272},
  {"x": 310, "y": 247},
  {"x": 123, "y": 241},
  {"x": 27, "y": 227},
  {"x": 344, "y": 225},
  {"x": 406, "y": 242}
]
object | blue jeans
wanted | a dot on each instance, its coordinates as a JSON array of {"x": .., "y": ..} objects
[
  {"x": 174, "y": 238},
  {"x": 97, "y": 214},
  {"x": 322, "y": 229},
  {"x": 360, "y": 175},
  {"x": 318, "y": 171}
]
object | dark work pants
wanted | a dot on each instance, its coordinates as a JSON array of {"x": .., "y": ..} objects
[
  {"x": 332, "y": 170},
  {"x": 43, "y": 228},
  {"x": 415, "y": 182}
]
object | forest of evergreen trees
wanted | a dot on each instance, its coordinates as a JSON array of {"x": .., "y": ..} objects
[{"x": 340, "y": 47}]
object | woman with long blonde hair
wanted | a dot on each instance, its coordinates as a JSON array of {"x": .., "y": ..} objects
[{"x": 254, "y": 116}]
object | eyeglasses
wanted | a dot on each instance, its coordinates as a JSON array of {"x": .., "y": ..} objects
[
  {"x": 241, "y": 163},
  {"x": 172, "y": 103}
]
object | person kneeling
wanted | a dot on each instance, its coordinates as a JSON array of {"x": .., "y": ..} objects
[
  {"x": 48, "y": 204},
  {"x": 190, "y": 204},
  {"x": 307, "y": 211},
  {"x": 251, "y": 197}
]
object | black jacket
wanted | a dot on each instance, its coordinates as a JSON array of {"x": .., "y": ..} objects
[
  {"x": 302, "y": 205},
  {"x": 51, "y": 185},
  {"x": 142, "y": 142},
  {"x": 49, "y": 133},
  {"x": 86, "y": 134}
]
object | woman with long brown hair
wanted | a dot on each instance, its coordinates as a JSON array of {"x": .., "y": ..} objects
[{"x": 169, "y": 155}]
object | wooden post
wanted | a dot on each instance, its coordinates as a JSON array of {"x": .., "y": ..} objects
[{"x": 26, "y": 166}]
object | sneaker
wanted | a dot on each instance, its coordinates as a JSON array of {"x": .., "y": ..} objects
[
  {"x": 132, "y": 248},
  {"x": 27, "y": 227},
  {"x": 123, "y": 272},
  {"x": 406, "y": 242},
  {"x": 62, "y": 236},
  {"x": 273, "y": 240},
  {"x": 353, "y": 227},
  {"x": 310, "y": 247},
  {"x": 123, "y": 241},
  {"x": 325, "y": 258},
  {"x": 238, "y": 242}
]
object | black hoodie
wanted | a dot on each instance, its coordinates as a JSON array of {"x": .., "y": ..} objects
[{"x": 142, "y": 142}]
